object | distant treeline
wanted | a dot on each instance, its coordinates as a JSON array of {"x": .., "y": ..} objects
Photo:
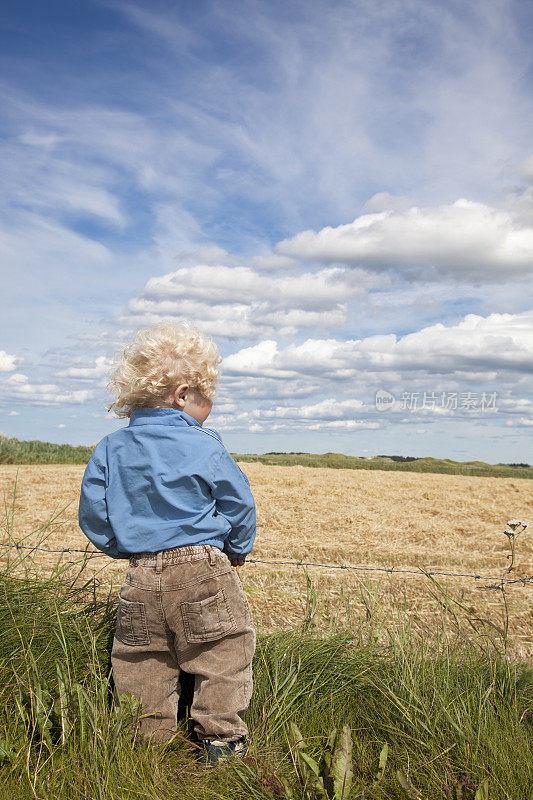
[
  {"x": 402, "y": 463},
  {"x": 13, "y": 451}
]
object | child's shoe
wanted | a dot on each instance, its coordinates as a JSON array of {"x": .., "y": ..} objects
[{"x": 214, "y": 750}]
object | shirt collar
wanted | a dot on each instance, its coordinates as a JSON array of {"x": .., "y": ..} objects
[{"x": 162, "y": 416}]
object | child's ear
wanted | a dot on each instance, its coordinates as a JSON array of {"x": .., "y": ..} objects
[{"x": 180, "y": 394}]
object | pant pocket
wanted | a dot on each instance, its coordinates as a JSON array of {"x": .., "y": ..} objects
[
  {"x": 131, "y": 623},
  {"x": 207, "y": 620}
]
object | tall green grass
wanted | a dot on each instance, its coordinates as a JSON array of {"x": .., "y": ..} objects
[{"x": 454, "y": 713}]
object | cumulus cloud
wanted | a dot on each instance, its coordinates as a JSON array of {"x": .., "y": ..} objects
[
  {"x": 239, "y": 302},
  {"x": 465, "y": 240},
  {"x": 224, "y": 285},
  {"x": 8, "y": 362},
  {"x": 474, "y": 345}
]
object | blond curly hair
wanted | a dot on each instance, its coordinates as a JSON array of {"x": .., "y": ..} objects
[{"x": 161, "y": 358}]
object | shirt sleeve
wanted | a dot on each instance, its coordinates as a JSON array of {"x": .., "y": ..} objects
[
  {"x": 235, "y": 502},
  {"x": 92, "y": 512}
]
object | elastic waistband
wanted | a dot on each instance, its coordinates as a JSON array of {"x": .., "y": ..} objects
[{"x": 175, "y": 555}]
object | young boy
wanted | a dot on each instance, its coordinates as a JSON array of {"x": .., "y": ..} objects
[{"x": 164, "y": 493}]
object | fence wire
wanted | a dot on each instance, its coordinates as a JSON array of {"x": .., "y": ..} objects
[{"x": 525, "y": 581}]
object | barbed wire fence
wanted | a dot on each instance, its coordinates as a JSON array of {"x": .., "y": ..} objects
[{"x": 89, "y": 554}]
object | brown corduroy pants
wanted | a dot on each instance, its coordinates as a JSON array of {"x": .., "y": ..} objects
[{"x": 185, "y": 609}]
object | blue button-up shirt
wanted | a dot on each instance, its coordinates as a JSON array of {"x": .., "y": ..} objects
[{"x": 162, "y": 482}]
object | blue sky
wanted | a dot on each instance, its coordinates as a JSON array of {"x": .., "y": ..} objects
[{"x": 340, "y": 193}]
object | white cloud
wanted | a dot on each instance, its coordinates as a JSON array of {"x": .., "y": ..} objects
[
  {"x": 494, "y": 343},
  {"x": 520, "y": 422},
  {"x": 8, "y": 362},
  {"x": 464, "y": 240},
  {"x": 329, "y": 410},
  {"x": 221, "y": 284},
  {"x": 518, "y": 409},
  {"x": 329, "y": 415},
  {"x": 232, "y": 321},
  {"x": 99, "y": 369},
  {"x": 344, "y": 424},
  {"x": 238, "y": 302},
  {"x": 517, "y": 404},
  {"x": 17, "y": 387}
]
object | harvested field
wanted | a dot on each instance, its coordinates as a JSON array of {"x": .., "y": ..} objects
[{"x": 368, "y": 518}]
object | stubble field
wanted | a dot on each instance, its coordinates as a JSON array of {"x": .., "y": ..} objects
[{"x": 357, "y": 518}]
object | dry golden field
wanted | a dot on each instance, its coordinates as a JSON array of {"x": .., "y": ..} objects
[{"x": 356, "y": 517}]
